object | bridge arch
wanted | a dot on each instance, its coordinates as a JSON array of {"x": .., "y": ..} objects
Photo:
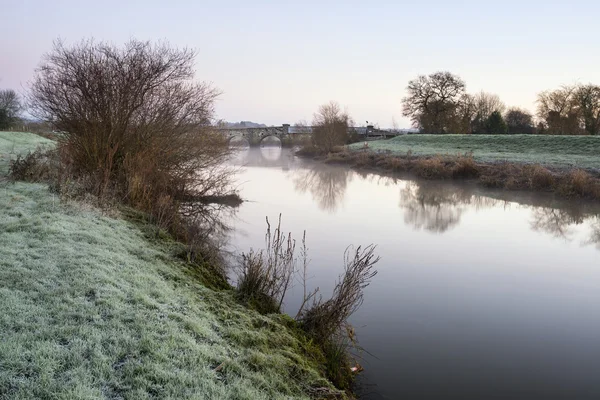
[
  {"x": 270, "y": 140},
  {"x": 238, "y": 140}
]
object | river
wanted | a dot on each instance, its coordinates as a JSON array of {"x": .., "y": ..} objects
[{"x": 479, "y": 294}]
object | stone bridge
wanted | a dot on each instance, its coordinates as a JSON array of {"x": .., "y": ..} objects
[
  {"x": 254, "y": 136},
  {"x": 287, "y": 133}
]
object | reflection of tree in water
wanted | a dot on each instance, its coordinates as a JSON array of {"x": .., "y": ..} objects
[
  {"x": 560, "y": 222},
  {"x": 326, "y": 184},
  {"x": 437, "y": 208},
  {"x": 556, "y": 222},
  {"x": 595, "y": 235}
]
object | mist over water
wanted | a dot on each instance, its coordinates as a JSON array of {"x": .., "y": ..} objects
[{"x": 480, "y": 294}]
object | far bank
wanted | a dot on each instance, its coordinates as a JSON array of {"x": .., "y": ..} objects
[{"x": 565, "y": 165}]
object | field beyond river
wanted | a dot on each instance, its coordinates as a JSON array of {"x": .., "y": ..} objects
[{"x": 554, "y": 151}]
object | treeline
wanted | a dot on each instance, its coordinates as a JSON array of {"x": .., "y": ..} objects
[{"x": 439, "y": 103}]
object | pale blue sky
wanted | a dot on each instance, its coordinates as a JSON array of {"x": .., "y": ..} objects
[{"x": 277, "y": 61}]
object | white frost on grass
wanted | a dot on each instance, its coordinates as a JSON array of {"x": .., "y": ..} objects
[
  {"x": 13, "y": 143},
  {"x": 552, "y": 150},
  {"x": 91, "y": 310}
]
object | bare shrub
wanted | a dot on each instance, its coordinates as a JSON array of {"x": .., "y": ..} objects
[
  {"x": 511, "y": 183},
  {"x": 309, "y": 150},
  {"x": 539, "y": 177},
  {"x": 465, "y": 167},
  {"x": 136, "y": 129},
  {"x": 265, "y": 275},
  {"x": 323, "y": 319},
  {"x": 431, "y": 168},
  {"x": 363, "y": 159},
  {"x": 579, "y": 183},
  {"x": 330, "y": 127},
  {"x": 132, "y": 118},
  {"x": 392, "y": 163},
  {"x": 35, "y": 166}
]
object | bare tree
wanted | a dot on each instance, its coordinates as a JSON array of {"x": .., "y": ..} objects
[
  {"x": 133, "y": 119},
  {"x": 432, "y": 101},
  {"x": 519, "y": 121},
  {"x": 464, "y": 114},
  {"x": 330, "y": 126},
  {"x": 587, "y": 101},
  {"x": 10, "y": 107},
  {"x": 485, "y": 104},
  {"x": 558, "y": 109}
]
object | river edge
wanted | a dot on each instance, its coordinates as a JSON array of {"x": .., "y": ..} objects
[
  {"x": 563, "y": 182},
  {"x": 146, "y": 313}
]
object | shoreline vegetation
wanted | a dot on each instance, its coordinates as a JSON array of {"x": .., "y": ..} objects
[
  {"x": 100, "y": 302},
  {"x": 490, "y": 171}
]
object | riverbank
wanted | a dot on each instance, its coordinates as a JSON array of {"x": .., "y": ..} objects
[
  {"x": 549, "y": 150},
  {"x": 564, "y": 181},
  {"x": 95, "y": 306}
]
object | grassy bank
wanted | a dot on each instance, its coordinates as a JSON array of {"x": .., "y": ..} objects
[
  {"x": 94, "y": 309},
  {"x": 564, "y": 182},
  {"x": 13, "y": 143},
  {"x": 556, "y": 151}
]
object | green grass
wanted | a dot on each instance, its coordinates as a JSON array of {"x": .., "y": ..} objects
[
  {"x": 91, "y": 309},
  {"x": 560, "y": 151}
]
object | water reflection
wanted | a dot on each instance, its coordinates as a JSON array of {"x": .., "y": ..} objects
[
  {"x": 432, "y": 210},
  {"x": 265, "y": 156},
  {"x": 595, "y": 235},
  {"x": 556, "y": 222},
  {"x": 437, "y": 207},
  {"x": 481, "y": 294},
  {"x": 326, "y": 185}
]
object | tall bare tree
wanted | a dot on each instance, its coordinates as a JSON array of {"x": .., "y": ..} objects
[
  {"x": 558, "y": 109},
  {"x": 432, "y": 101},
  {"x": 330, "y": 126},
  {"x": 519, "y": 121},
  {"x": 485, "y": 105},
  {"x": 10, "y": 107},
  {"x": 587, "y": 101}
]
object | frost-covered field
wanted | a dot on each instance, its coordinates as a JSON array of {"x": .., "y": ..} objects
[
  {"x": 90, "y": 309},
  {"x": 13, "y": 143},
  {"x": 563, "y": 151}
]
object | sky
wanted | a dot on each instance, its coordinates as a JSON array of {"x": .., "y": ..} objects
[{"x": 277, "y": 61}]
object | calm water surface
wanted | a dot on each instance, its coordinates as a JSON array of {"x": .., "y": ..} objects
[{"x": 480, "y": 295}]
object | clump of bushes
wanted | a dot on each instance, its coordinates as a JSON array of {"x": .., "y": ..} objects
[
  {"x": 539, "y": 177},
  {"x": 265, "y": 276},
  {"x": 36, "y": 166},
  {"x": 136, "y": 129},
  {"x": 465, "y": 168},
  {"x": 579, "y": 183},
  {"x": 430, "y": 168}
]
